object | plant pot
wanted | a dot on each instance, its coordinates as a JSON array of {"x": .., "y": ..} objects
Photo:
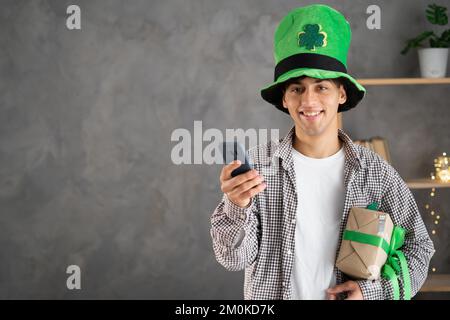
[{"x": 433, "y": 62}]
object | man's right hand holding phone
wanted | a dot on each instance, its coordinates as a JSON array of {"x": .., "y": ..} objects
[{"x": 241, "y": 188}]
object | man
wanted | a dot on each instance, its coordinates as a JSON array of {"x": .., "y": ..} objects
[{"x": 283, "y": 221}]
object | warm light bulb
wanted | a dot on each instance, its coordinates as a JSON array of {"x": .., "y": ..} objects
[{"x": 444, "y": 175}]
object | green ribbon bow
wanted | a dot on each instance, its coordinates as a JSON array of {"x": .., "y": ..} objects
[
  {"x": 396, "y": 264},
  {"x": 396, "y": 261}
]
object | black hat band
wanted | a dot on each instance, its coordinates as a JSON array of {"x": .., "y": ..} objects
[{"x": 308, "y": 60}]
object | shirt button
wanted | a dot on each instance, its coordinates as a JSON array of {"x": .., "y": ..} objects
[
  {"x": 289, "y": 251},
  {"x": 284, "y": 284},
  {"x": 293, "y": 221},
  {"x": 243, "y": 216}
]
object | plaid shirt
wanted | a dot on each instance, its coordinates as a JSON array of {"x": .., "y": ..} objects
[{"x": 260, "y": 237}]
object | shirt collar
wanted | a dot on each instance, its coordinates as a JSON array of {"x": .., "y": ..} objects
[{"x": 284, "y": 150}]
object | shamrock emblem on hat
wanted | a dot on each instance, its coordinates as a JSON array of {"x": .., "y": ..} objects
[{"x": 312, "y": 37}]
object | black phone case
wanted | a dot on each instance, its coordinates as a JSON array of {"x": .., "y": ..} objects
[{"x": 244, "y": 167}]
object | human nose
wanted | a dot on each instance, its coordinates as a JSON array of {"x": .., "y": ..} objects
[{"x": 308, "y": 97}]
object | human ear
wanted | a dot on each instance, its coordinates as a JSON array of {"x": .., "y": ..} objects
[
  {"x": 342, "y": 95},
  {"x": 284, "y": 103}
]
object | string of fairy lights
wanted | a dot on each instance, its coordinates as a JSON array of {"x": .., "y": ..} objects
[
  {"x": 435, "y": 216},
  {"x": 442, "y": 174}
]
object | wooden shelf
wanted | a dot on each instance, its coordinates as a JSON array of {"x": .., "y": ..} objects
[
  {"x": 402, "y": 81},
  {"x": 437, "y": 283},
  {"x": 426, "y": 183}
]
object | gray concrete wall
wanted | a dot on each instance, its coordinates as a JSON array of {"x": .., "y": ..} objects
[{"x": 86, "y": 118}]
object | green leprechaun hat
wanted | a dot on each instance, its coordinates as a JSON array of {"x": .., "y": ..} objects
[{"x": 312, "y": 41}]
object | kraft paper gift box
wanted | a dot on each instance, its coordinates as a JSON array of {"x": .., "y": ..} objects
[{"x": 364, "y": 260}]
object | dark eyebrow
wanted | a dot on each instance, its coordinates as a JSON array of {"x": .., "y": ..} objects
[
  {"x": 315, "y": 81},
  {"x": 321, "y": 80}
]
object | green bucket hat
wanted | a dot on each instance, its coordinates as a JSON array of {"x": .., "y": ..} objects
[{"x": 312, "y": 41}]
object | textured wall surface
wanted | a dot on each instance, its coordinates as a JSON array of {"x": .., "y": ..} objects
[{"x": 86, "y": 118}]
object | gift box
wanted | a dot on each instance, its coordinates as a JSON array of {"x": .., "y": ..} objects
[
  {"x": 365, "y": 243},
  {"x": 370, "y": 248}
]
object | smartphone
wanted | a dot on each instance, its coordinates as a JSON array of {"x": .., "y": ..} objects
[{"x": 234, "y": 151}]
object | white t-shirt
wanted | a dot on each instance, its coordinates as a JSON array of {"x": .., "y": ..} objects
[{"x": 320, "y": 195}]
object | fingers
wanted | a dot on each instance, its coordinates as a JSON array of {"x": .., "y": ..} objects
[
  {"x": 356, "y": 293},
  {"x": 225, "y": 174},
  {"x": 350, "y": 287},
  {"x": 332, "y": 296},
  {"x": 247, "y": 185},
  {"x": 346, "y": 286},
  {"x": 249, "y": 189},
  {"x": 229, "y": 184},
  {"x": 353, "y": 296}
]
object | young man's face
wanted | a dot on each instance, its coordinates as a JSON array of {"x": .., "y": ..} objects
[{"x": 313, "y": 104}]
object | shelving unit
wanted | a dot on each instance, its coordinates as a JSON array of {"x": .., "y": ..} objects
[
  {"x": 397, "y": 81},
  {"x": 426, "y": 184},
  {"x": 434, "y": 282},
  {"x": 415, "y": 183},
  {"x": 437, "y": 283},
  {"x": 402, "y": 81}
]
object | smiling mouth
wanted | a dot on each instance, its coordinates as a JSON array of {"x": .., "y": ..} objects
[{"x": 311, "y": 115}]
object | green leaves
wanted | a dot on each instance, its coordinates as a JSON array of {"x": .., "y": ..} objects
[
  {"x": 416, "y": 42},
  {"x": 441, "y": 42},
  {"x": 311, "y": 37},
  {"x": 437, "y": 14},
  {"x": 446, "y": 36}
]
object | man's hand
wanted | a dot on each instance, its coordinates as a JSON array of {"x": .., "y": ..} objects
[
  {"x": 351, "y": 287},
  {"x": 240, "y": 189}
]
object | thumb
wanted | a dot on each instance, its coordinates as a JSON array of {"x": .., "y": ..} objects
[
  {"x": 332, "y": 296},
  {"x": 340, "y": 288}
]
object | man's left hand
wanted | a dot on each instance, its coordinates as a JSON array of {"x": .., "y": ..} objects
[{"x": 350, "y": 287}]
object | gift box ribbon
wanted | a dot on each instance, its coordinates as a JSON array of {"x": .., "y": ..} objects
[{"x": 395, "y": 262}]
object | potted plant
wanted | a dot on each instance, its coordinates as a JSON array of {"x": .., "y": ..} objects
[{"x": 432, "y": 60}]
